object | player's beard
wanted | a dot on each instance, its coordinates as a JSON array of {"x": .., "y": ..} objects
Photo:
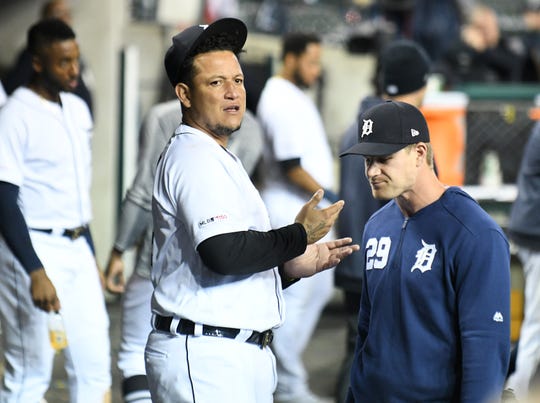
[
  {"x": 53, "y": 84},
  {"x": 223, "y": 131},
  {"x": 299, "y": 80}
]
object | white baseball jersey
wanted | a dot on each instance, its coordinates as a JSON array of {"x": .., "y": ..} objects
[
  {"x": 159, "y": 125},
  {"x": 47, "y": 160},
  {"x": 202, "y": 190},
  {"x": 293, "y": 129}
]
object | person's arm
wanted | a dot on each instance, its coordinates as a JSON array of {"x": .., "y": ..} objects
[
  {"x": 482, "y": 287},
  {"x": 15, "y": 232},
  {"x": 135, "y": 216},
  {"x": 247, "y": 252},
  {"x": 506, "y": 63},
  {"x": 133, "y": 222},
  {"x": 298, "y": 176}
]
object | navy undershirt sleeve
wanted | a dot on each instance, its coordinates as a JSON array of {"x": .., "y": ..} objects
[
  {"x": 287, "y": 165},
  {"x": 248, "y": 252},
  {"x": 14, "y": 230}
]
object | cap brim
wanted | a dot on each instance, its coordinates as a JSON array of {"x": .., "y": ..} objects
[{"x": 373, "y": 149}]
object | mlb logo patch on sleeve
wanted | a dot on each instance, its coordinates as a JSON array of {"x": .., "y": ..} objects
[{"x": 206, "y": 221}]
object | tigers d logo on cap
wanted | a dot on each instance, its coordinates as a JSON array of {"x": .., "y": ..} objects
[
  {"x": 387, "y": 128},
  {"x": 367, "y": 127}
]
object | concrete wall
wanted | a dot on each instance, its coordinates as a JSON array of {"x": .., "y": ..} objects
[{"x": 103, "y": 29}]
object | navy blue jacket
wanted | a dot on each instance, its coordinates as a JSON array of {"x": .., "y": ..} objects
[{"x": 434, "y": 321}]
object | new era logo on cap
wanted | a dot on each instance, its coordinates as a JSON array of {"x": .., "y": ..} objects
[{"x": 387, "y": 128}]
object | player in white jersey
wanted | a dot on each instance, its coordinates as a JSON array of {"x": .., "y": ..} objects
[
  {"x": 218, "y": 289},
  {"x": 46, "y": 254},
  {"x": 297, "y": 161},
  {"x": 135, "y": 229}
]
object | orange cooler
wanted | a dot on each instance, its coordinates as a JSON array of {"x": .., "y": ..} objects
[{"x": 445, "y": 113}]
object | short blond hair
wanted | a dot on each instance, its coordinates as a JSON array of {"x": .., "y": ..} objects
[{"x": 429, "y": 154}]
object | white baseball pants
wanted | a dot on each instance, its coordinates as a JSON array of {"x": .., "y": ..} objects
[
  {"x": 136, "y": 325},
  {"x": 201, "y": 369},
  {"x": 28, "y": 355}
]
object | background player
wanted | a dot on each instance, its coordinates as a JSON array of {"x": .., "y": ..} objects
[
  {"x": 524, "y": 231},
  {"x": 21, "y": 72},
  {"x": 297, "y": 161},
  {"x": 46, "y": 254}
]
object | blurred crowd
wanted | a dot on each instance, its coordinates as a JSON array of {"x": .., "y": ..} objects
[{"x": 467, "y": 40}]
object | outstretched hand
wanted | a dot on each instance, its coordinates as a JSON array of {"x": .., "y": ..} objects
[
  {"x": 317, "y": 222},
  {"x": 319, "y": 257}
]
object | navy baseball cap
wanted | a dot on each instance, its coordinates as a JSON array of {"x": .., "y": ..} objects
[
  {"x": 405, "y": 67},
  {"x": 185, "y": 43},
  {"x": 388, "y": 127}
]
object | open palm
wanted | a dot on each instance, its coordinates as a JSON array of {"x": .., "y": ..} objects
[{"x": 319, "y": 257}]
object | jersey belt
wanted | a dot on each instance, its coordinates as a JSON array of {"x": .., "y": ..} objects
[
  {"x": 71, "y": 233},
  {"x": 185, "y": 326}
]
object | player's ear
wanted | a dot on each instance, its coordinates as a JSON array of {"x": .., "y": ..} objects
[
  {"x": 289, "y": 61},
  {"x": 421, "y": 153},
  {"x": 37, "y": 64},
  {"x": 183, "y": 94}
]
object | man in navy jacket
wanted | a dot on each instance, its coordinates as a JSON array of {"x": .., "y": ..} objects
[{"x": 434, "y": 321}]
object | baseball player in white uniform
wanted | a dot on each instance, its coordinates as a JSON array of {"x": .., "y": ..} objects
[
  {"x": 46, "y": 254},
  {"x": 218, "y": 288},
  {"x": 135, "y": 229},
  {"x": 297, "y": 160}
]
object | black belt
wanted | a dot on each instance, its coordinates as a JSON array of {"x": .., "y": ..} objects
[
  {"x": 72, "y": 233},
  {"x": 262, "y": 339}
]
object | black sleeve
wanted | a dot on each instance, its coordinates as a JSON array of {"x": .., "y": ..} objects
[
  {"x": 287, "y": 165},
  {"x": 248, "y": 252},
  {"x": 14, "y": 230}
]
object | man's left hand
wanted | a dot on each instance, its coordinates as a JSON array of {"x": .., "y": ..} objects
[{"x": 319, "y": 257}]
